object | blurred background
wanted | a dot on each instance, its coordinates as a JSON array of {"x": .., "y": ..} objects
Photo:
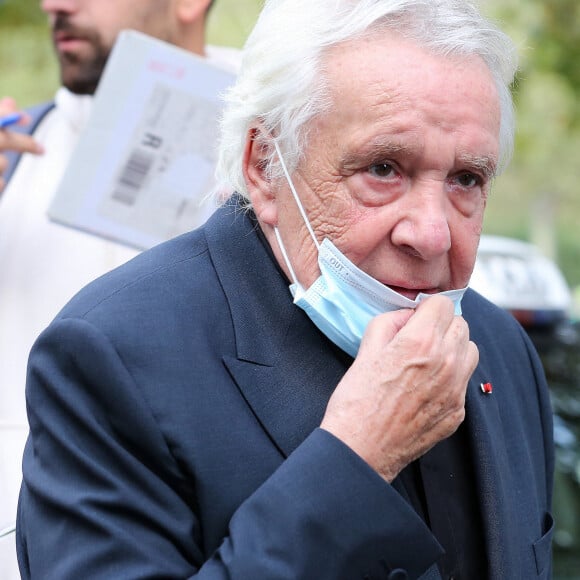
[{"x": 536, "y": 200}]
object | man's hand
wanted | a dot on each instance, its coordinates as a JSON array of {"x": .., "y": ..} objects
[
  {"x": 406, "y": 389},
  {"x": 10, "y": 141}
]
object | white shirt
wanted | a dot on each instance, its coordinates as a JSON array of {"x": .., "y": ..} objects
[{"x": 42, "y": 265}]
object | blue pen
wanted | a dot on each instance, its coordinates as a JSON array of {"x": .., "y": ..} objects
[{"x": 8, "y": 120}]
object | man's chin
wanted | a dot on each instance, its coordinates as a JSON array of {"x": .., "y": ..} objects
[
  {"x": 80, "y": 84},
  {"x": 79, "y": 87},
  {"x": 80, "y": 76}
]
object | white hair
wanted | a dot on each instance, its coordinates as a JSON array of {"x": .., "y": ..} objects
[{"x": 281, "y": 85}]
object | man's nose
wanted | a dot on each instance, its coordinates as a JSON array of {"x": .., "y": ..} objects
[
  {"x": 423, "y": 229},
  {"x": 54, "y": 6}
]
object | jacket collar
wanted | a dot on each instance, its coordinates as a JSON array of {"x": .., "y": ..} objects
[{"x": 273, "y": 336}]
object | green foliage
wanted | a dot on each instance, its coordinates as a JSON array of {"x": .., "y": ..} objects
[
  {"x": 28, "y": 70},
  {"x": 545, "y": 171},
  {"x": 231, "y": 21},
  {"x": 20, "y": 13},
  {"x": 559, "y": 37}
]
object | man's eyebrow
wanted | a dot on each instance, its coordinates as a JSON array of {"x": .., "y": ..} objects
[
  {"x": 487, "y": 164},
  {"x": 380, "y": 149},
  {"x": 375, "y": 151}
]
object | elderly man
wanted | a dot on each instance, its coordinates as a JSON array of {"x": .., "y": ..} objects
[{"x": 303, "y": 388}]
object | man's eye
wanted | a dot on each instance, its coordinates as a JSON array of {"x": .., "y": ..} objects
[
  {"x": 469, "y": 180},
  {"x": 382, "y": 170}
]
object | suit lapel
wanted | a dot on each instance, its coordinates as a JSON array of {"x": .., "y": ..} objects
[
  {"x": 284, "y": 368},
  {"x": 288, "y": 405},
  {"x": 491, "y": 464}
]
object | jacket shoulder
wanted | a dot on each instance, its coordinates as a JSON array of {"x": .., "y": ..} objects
[{"x": 157, "y": 273}]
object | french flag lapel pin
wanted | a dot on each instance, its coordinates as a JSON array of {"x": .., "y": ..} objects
[{"x": 486, "y": 388}]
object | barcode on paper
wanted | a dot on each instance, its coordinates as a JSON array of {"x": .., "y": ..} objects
[{"x": 133, "y": 176}]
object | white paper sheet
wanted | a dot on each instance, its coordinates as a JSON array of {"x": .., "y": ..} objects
[{"x": 143, "y": 168}]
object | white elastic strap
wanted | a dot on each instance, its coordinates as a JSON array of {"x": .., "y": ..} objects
[
  {"x": 296, "y": 198},
  {"x": 285, "y": 255}
]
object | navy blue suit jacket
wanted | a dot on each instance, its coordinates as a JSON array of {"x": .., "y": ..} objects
[{"x": 174, "y": 407}]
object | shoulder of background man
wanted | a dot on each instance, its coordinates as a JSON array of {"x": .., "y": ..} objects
[{"x": 37, "y": 114}]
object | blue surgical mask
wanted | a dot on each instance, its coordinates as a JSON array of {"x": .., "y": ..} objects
[{"x": 344, "y": 299}]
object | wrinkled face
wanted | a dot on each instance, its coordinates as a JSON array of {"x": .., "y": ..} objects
[
  {"x": 398, "y": 172},
  {"x": 84, "y": 32}
]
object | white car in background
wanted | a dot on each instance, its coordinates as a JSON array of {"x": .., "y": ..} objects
[{"x": 516, "y": 276}]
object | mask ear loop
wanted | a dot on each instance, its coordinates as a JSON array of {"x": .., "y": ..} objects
[
  {"x": 285, "y": 256},
  {"x": 296, "y": 198}
]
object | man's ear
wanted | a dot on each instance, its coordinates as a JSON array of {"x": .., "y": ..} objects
[
  {"x": 189, "y": 11},
  {"x": 260, "y": 187}
]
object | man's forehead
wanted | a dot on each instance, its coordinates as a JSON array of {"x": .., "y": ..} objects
[
  {"x": 370, "y": 84},
  {"x": 393, "y": 49}
]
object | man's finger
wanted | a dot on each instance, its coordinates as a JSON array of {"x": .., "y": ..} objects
[{"x": 11, "y": 141}]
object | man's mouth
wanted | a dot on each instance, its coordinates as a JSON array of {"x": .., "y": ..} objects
[
  {"x": 69, "y": 37},
  {"x": 67, "y": 42}
]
